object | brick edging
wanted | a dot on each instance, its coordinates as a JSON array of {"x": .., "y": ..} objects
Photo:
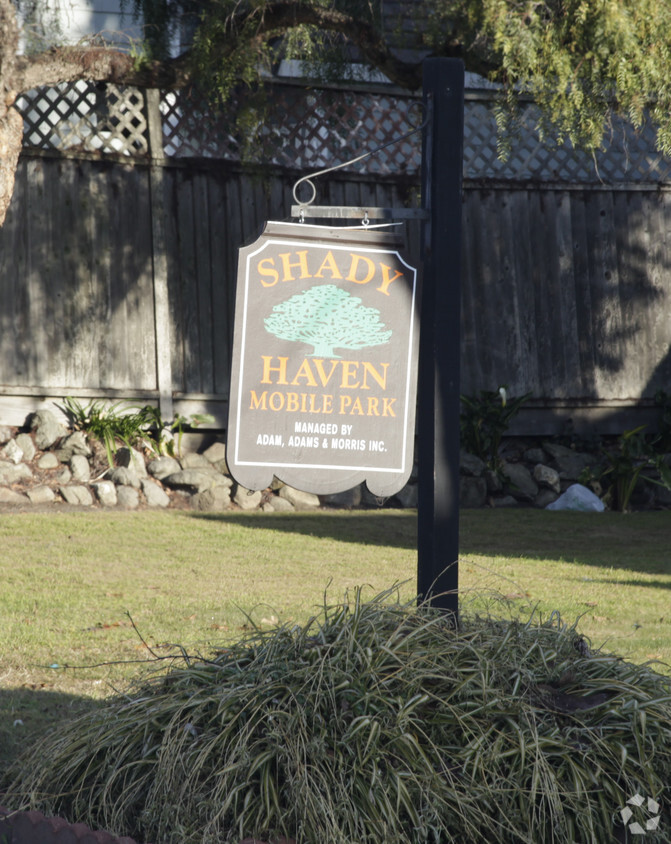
[{"x": 35, "y": 828}]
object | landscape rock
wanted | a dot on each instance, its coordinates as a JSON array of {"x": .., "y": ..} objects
[
  {"x": 105, "y": 492},
  {"x": 124, "y": 476},
  {"x": 10, "y": 473},
  {"x": 12, "y": 451},
  {"x": 79, "y": 466},
  {"x": 578, "y": 497},
  {"x": 163, "y": 466},
  {"x": 76, "y": 494},
  {"x": 75, "y": 443},
  {"x": 570, "y": 463},
  {"x": 41, "y": 494},
  {"x": 216, "y": 455},
  {"x": 276, "y": 504},
  {"x": 547, "y": 477},
  {"x": 156, "y": 496},
  {"x": 545, "y": 497},
  {"x": 472, "y": 492},
  {"x": 8, "y": 496},
  {"x": 247, "y": 499},
  {"x": 216, "y": 499},
  {"x": 194, "y": 461},
  {"x": 194, "y": 481},
  {"x": 64, "y": 476},
  {"x": 130, "y": 458},
  {"x": 342, "y": 500},
  {"x": 6, "y": 434},
  {"x": 128, "y": 497},
  {"x": 300, "y": 500},
  {"x": 48, "y": 461},
  {"x": 27, "y": 446},
  {"x": 469, "y": 464},
  {"x": 535, "y": 455},
  {"x": 48, "y": 430},
  {"x": 522, "y": 484}
]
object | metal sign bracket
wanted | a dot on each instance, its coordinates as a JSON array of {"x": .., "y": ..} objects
[
  {"x": 356, "y": 212},
  {"x": 306, "y": 209}
]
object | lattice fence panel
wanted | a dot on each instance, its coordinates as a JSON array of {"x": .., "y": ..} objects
[
  {"x": 628, "y": 155},
  {"x": 310, "y": 129},
  {"x": 85, "y": 116},
  {"x": 314, "y": 129},
  {"x": 298, "y": 128}
]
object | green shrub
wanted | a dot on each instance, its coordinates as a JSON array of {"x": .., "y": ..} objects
[
  {"x": 484, "y": 419},
  {"x": 111, "y": 424},
  {"x": 633, "y": 458},
  {"x": 130, "y": 425},
  {"x": 376, "y": 722}
]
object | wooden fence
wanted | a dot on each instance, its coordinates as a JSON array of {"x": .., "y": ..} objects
[{"x": 117, "y": 280}]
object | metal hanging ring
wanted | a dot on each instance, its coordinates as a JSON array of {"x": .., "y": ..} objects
[{"x": 308, "y": 181}]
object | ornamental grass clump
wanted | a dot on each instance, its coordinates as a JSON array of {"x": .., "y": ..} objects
[{"x": 375, "y": 722}]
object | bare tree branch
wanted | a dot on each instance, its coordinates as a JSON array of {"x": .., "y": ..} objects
[{"x": 96, "y": 64}]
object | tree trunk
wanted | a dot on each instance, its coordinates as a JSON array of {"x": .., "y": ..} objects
[
  {"x": 11, "y": 123},
  {"x": 20, "y": 73},
  {"x": 11, "y": 138}
]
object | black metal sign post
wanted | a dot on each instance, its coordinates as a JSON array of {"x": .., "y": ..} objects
[{"x": 438, "y": 406}]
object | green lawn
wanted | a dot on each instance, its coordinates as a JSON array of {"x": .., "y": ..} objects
[
  {"x": 611, "y": 571},
  {"x": 75, "y": 586}
]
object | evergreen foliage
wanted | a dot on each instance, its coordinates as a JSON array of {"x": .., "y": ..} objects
[{"x": 578, "y": 59}]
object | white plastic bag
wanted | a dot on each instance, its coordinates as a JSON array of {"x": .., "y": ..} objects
[{"x": 578, "y": 497}]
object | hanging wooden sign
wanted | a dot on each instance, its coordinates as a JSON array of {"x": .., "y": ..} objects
[{"x": 324, "y": 365}]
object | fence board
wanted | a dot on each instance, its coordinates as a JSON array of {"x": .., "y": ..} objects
[
  {"x": 15, "y": 262},
  {"x": 659, "y": 279},
  {"x": 188, "y": 282},
  {"x": 583, "y": 299},
  {"x": 171, "y": 223},
  {"x": 203, "y": 290},
  {"x": 219, "y": 277},
  {"x": 134, "y": 339}
]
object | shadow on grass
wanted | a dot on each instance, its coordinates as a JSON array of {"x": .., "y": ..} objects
[
  {"x": 635, "y": 541},
  {"x": 27, "y": 714},
  {"x": 395, "y": 528}
]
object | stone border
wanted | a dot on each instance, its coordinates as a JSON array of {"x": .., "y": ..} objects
[
  {"x": 44, "y": 465},
  {"x": 534, "y": 473}
]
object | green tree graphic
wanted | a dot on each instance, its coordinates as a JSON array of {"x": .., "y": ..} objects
[{"x": 327, "y": 317}]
